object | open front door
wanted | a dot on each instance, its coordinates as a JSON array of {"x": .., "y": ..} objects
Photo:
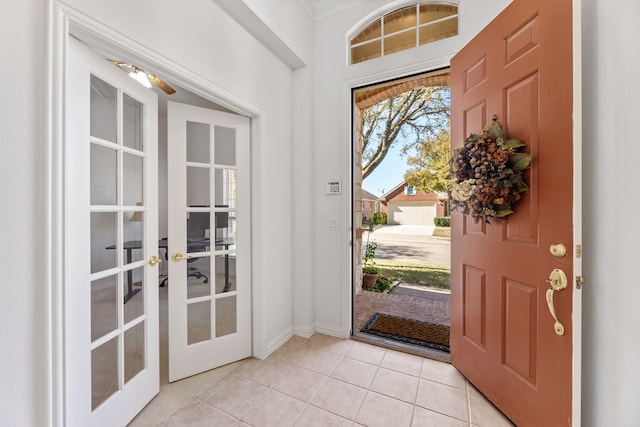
[
  {"x": 503, "y": 334},
  {"x": 209, "y": 239}
]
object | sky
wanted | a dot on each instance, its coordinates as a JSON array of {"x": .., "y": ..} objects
[{"x": 388, "y": 174}]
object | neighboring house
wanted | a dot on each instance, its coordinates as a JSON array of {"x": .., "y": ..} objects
[
  {"x": 407, "y": 205},
  {"x": 370, "y": 205}
]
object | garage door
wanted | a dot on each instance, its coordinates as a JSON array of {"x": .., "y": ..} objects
[{"x": 413, "y": 214}]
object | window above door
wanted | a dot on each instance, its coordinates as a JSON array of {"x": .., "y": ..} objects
[{"x": 404, "y": 28}]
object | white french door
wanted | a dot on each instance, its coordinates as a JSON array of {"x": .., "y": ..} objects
[
  {"x": 208, "y": 239},
  {"x": 111, "y": 243}
]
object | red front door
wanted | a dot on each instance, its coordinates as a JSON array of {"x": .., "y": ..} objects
[{"x": 502, "y": 332}]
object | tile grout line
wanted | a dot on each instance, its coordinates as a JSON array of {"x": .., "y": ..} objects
[{"x": 466, "y": 384}]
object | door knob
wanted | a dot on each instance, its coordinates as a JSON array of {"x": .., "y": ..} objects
[
  {"x": 558, "y": 281},
  {"x": 558, "y": 250},
  {"x": 178, "y": 256},
  {"x": 154, "y": 260}
]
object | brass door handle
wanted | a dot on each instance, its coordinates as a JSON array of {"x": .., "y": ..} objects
[
  {"x": 154, "y": 260},
  {"x": 558, "y": 281},
  {"x": 178, "y": 256}
]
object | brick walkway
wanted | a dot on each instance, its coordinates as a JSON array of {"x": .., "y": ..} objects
[{"x": 409, "y": 301}]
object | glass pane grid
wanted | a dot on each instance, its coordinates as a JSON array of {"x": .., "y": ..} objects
[
  {"x": 423, "y": 24},
  {"x": 118, "y": 311}
]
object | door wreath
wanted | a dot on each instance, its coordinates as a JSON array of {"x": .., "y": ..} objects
[{"x": 487, "y": 174}]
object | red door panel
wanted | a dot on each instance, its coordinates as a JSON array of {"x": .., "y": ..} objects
[{"x": 502, "y": 333}]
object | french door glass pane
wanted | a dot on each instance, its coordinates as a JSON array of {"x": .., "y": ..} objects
[
  {"x": 198, "y": 284},
  {"x": 133, "y": 291},
  {"x": 103, "y": 175},
  {"x": 133, "y": 236},
  {"x": 225, "y": 183},
  {"x": 198, "y": 224},
  {"x": 132, "y": 136},
  {"x": 197, "y": 186},
  {"x": 104, "y": 306},
  {"x": 104, "y": 110},
  {"x": 132, "y": 181},
  {"x": 198, "y": 142},
  {"x": 103, "y": 239},
  {"x": 226, "y": 319},
  {"x": 198, "y": 322},
  {"x": 104, "y": 372},
  {"x": 134, "y": 360},
  {"x": 225, "y": 146},
  {"x": 225, "y": 278}
]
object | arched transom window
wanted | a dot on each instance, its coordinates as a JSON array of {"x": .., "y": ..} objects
[{"x": 405, "y": 28}]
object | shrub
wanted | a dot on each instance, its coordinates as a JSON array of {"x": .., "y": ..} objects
[
  {"x": 442, "y": 221},
  {"x": 379, "y": 218}
]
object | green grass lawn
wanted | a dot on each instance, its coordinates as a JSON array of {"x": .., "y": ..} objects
[
  {"x": 420, "y": 274},
  {"x": 442, "y": 232}
]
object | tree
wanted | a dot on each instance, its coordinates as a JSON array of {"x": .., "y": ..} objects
[
  {"x": 422, "y": 113},
  {"x": 431, "y": 170}
]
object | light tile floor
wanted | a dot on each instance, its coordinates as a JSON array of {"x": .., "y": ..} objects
[{"x": 324, "y": 381}]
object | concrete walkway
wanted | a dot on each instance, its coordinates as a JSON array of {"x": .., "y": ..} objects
[
  {"x": 400, "y": 231},
  {"x": 412, "y": 244}
]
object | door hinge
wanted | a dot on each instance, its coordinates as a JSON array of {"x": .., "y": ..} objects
[
  {"x": 579, "y": 282},
  {"x": 578, "y": 251}
]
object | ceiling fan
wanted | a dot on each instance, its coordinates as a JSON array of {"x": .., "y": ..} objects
[{"x": 144, "y": 77}]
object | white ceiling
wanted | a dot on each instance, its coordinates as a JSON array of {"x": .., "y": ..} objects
[{"x": 319, "y": 9}]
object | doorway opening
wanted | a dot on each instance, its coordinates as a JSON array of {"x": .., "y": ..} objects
[
  {"x": 400, "y": 211},
  {"x": 118, "y": 126}
]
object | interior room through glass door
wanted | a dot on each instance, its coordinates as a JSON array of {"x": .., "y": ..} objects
[{"x": 209, "y": 239}]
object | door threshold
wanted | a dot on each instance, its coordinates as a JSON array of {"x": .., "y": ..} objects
[{"x": 430, "y": 353}]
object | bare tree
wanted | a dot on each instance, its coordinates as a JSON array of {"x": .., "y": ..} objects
[{"x": 415, "y": 116}]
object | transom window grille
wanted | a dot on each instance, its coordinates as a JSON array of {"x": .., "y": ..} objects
[{"x": 403, "y": 29}]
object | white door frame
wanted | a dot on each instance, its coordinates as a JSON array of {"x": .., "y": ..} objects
[{"x": 61, "y": 22}]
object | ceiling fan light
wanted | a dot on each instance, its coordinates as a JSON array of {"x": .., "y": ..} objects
[{"x": 139, "y": 76}]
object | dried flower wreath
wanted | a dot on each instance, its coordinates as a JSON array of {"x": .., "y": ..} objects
[{"x": 487, "y": 174}]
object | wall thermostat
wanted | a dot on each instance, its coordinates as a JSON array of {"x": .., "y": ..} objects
[{"x": 334, "y": 187}]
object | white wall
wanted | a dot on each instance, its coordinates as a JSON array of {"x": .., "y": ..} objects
[
  {"x": 611, "y": 319},
  {"x": 22, "y": 214}
]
